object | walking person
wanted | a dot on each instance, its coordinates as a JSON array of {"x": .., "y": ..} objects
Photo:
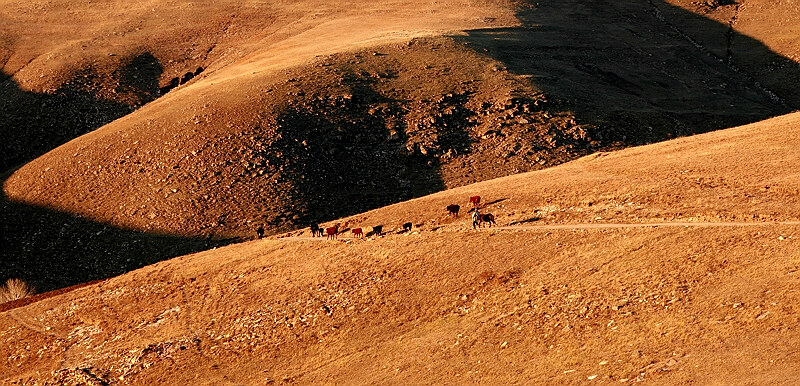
[{"x": 476, "y": 219}]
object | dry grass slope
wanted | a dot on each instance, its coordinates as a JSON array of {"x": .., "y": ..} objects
[
  {"x": 390, "y": 119},
  {"x": 305, "y": 112},
  {"x": 443, "y": 302},
  {"x": 15, "y": 289},
  {"x": 186, "y": 124}
]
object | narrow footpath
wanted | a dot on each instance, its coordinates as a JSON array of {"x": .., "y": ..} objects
[{"x": 585, "y": 226}]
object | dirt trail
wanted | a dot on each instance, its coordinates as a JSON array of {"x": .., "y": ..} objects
[
  {"x": 587, "y": 226},
  {"x": 647, "y": 225}
]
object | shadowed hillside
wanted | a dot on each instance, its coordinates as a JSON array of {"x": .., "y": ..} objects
[
  {"x": 759, "y": 38},
  {"x": 35, "y": 123},
  {"x": 298, "y": 122},
  {"x": 51, "y": 250},
  {"x": 624, "y": 68}
]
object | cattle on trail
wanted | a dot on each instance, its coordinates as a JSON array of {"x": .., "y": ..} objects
[
  {"x": 377, "y": 230},
  {"x": 357, "y": 232},
  {"x": 475, "y": 201},
  {"x": 452, "y": 210},
  {"x": 260, "y": 231},
  {"x": 407, "y": 226},
  {"x": 316, "y": 230},
  {"x": 333, "y": 232},
  {"x": 489, "y": 219}
]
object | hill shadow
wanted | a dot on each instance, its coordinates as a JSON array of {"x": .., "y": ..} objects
[
  {"x": 53, "y": 250},
  {"x": 34, "y": 123},
  {"x": 742, "y": 53},
  {"x": 625, "y": 69},
  {"x": 353, "y": 153}
]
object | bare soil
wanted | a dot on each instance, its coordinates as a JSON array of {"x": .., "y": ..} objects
[
  {"x": 142, "y": 139},
  {"x": 445, "y": 303},
  {"x": 305, "y": 112}
]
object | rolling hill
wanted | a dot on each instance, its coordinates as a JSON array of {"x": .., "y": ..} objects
[
  {"x": 145, "y": 142},
  {"x": 603, "y": 298},
  {"x": 310, "y": 122}
]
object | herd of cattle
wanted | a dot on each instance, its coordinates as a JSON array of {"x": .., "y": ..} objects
[{"x": 478, "y": 221}]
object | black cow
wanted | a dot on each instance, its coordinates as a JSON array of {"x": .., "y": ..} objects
[
  {"x": 489, "y": 219},
  {"x": 407, "y": 226},
  {"x": 453, "y": 209}
]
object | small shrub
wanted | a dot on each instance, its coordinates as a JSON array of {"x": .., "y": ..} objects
[{"x": 15, "y": 289}]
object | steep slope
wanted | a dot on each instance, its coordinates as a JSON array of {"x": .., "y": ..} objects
[
  {"x": 444, "y": 303},
  {"x": 73, "y": 66},
  {"x": 249, "y": 145},
  {"x": 761, "y": 38}
]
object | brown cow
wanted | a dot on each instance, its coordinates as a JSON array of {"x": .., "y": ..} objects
[
  {"x": 475, "y": 201},
  {"x": 452, "y": 210},
  {"x": 333, "y": 232},
  {"x": 357, "y": 232}
]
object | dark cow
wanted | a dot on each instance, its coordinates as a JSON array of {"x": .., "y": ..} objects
[
  {"x": 333, "y": 232},
  {"x": 475, "y": 201},
  {"x": 452, "y": 210},
  {"x": 377, "y": 230},
  {"x": 260, "y": 231},
  {"x": 316, "y": 230},
  {"x": 489, "y": 219},
  {"x": 407, "y": 226},
  {"x": 357, "y": 232}
]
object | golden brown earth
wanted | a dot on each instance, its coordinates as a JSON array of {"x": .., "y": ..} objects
[
  {"x": 370, "y": 117},
  {"x": 531, "y": 302},
  {"x": 172, "y": 128},
  {"x": 288, "y": 113}
]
